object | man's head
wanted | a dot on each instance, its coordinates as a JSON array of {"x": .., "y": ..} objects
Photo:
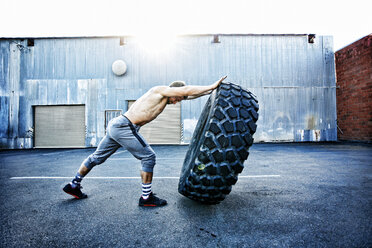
[
  {"x": 175, "y": 99},
  {"x": 177, "y": 84}
]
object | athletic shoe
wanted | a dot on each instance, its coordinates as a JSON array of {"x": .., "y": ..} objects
[
  {"x": 75, "y": 192},
  {"x": 152, "y": 201}
]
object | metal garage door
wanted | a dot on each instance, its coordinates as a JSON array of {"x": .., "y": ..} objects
[
  {"x": 166, "y": 128},
  {"x": 60, "y": 126}
]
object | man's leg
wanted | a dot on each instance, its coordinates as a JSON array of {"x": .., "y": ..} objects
[
  {"x": 146, "y": 177},
  {"x": 148, "y": 159},
  {"x": 148, "y": 199},
  {"x": 74, "y": 188},
  {"x": 146, "y": 184},
  {"x": 105, "y": 149},
  {"x": 130, "y": 139},
  {"x": 83, "y": 170}
]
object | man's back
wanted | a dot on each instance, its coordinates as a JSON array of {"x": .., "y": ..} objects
[
  {"x": 146, "y": 108},
  {"x": 153, "y": 102}
]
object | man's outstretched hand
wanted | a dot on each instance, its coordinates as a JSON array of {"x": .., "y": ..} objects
[
  {"x": 209, "y": 90},
  {"x": 219, "y": 82}
]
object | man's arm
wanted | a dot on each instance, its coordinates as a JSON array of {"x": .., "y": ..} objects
[
  {"x": 197, "y": 96},
  {"x": 190, "y": 90}
]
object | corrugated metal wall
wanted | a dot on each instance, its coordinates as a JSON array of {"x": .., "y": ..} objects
[{"x": 294, "y": 81}]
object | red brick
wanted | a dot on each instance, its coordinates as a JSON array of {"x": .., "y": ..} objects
[{"x": 354, "y": 92}]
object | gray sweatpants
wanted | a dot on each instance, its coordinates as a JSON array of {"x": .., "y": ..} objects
[{"x": 121, "y": 132}]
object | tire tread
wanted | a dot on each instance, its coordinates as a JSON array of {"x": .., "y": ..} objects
[{"x": 219, "y": 150}]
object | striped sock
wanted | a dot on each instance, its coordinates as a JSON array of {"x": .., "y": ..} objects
[
  {"x": 146, "y": 190},
  {"x": 77, "y": 180}
]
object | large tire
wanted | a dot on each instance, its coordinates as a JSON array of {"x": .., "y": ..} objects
[{"x": 219, "y": 145}]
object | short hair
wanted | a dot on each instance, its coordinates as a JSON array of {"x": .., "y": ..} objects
[{"x": 177, "y": 84}]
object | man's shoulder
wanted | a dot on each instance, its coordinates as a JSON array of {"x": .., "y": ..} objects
[{"x": 158, "y": 89}]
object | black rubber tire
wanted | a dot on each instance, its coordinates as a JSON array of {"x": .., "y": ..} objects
[{"x": 219, "y": 145}]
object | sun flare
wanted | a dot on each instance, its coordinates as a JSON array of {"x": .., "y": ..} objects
[{"x": 156, "y": 43}]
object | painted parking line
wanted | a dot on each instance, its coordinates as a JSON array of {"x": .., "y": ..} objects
[
  {"x": 157, "y": 159},
  {"x": 44, "y": 177},
  {"x": 54, "y": 153}
]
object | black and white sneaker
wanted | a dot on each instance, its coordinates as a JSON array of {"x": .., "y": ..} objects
[
  {"x": 75, "y": 192},
  {"x": 152, "y": 201}
]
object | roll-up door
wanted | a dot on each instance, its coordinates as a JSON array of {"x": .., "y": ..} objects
[
  {"x": 60, "y": 126},
  {"x": 166, "y": 128}
]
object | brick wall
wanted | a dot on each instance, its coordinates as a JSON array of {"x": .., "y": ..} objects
[{"x": 354, "y": 91}]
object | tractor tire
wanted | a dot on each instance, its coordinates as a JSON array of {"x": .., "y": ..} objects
[{"x": 219, "y": 145}]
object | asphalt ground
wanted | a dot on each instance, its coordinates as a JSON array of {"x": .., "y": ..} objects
[{"x": 288, "y": 195}]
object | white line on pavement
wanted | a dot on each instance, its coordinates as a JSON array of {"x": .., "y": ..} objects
[
  {"x": 42, "y": 177},
  {"x": 133, "y": 158},
  {"x": 54, "y": 153}
]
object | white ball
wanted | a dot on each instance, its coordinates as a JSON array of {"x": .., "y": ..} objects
[{"x": 119, "y": 67}]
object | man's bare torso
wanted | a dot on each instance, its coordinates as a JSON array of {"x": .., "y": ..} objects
[
  {"x": 146, "y": 108},
  {"x": 153, "y": 102}
]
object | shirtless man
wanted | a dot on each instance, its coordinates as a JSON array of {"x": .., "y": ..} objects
[{"x": 122, "y": 131}]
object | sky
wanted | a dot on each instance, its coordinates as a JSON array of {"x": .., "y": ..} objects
[{"x": 346, "y": 21}]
